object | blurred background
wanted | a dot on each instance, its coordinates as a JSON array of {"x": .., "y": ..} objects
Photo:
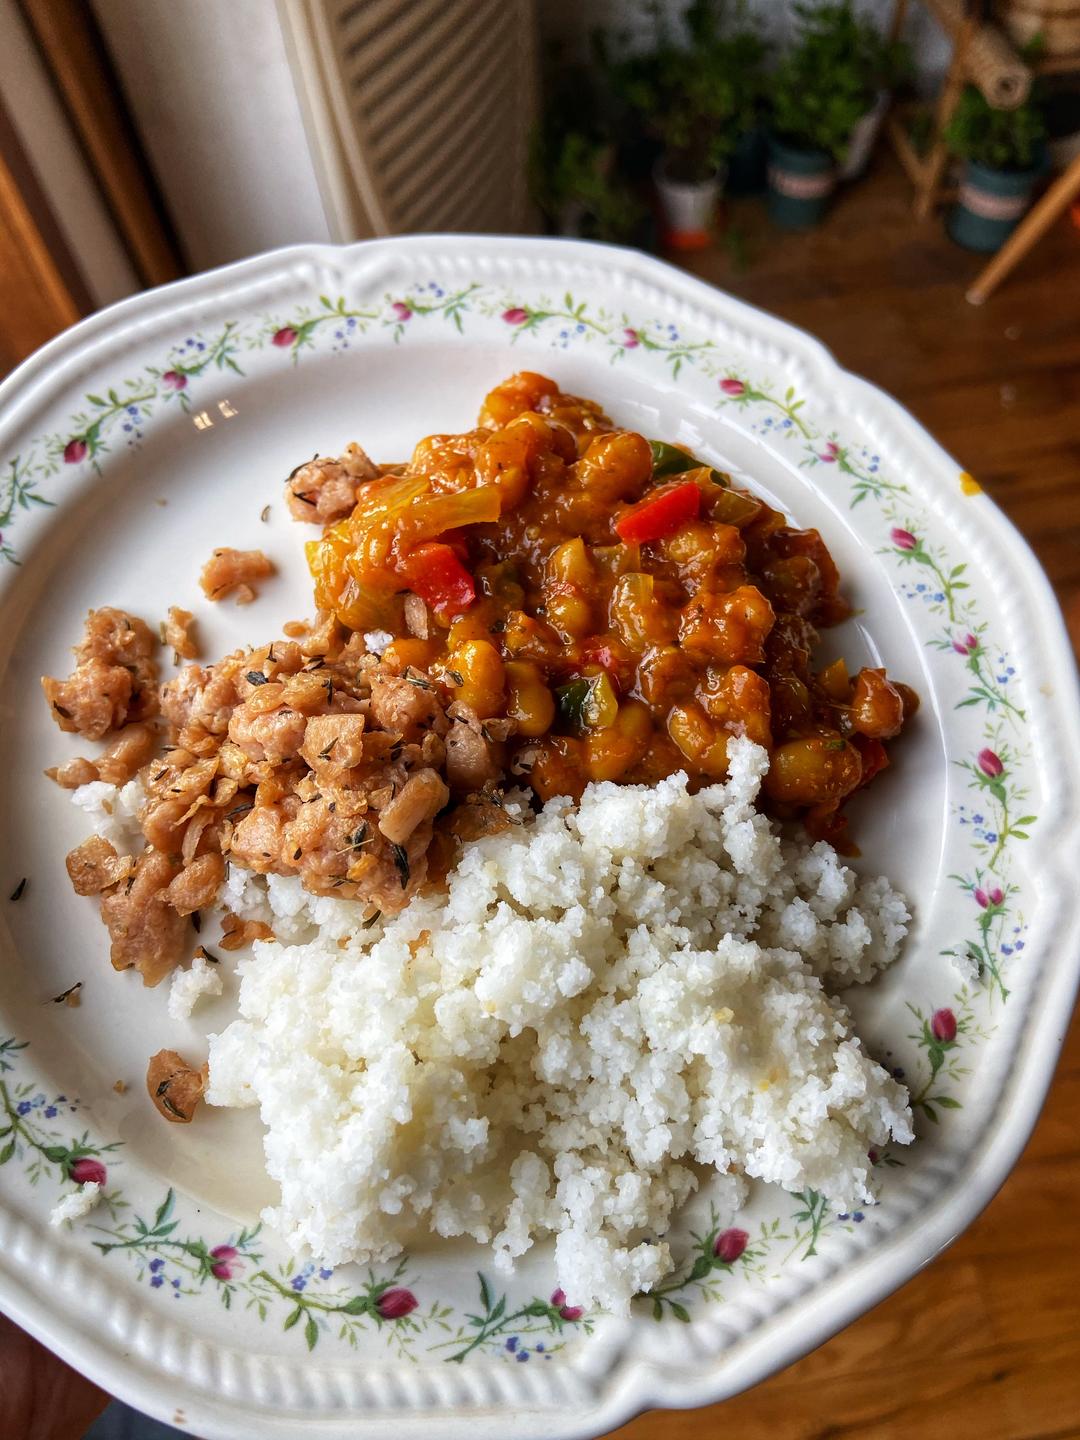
[{"x": 899, "y": 177}]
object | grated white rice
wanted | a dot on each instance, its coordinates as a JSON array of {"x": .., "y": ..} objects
[
  {"x": 606, "y": 997},
  {"x": 75, "y": 1204},
  {"x": 187, "y": 987}
]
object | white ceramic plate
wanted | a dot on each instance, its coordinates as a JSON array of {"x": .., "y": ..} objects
[{"x": 136, "y": 441}]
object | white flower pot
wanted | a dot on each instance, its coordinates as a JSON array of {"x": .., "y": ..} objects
[
  {"x": 688, "y": 211},
  {"x": 863, "y": 139}
]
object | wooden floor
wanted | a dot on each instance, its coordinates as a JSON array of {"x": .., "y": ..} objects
[{"x": 985, "y": 1344}]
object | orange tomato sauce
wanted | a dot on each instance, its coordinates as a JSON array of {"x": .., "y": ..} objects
[{"x": 621, "y": 603}]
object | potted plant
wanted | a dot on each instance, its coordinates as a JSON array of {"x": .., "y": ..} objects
[
  {"x": 575, "y": 181},
  {"x": 1003, "y": 152},
  {"x": 693, "y": 99},
  {"x": 828, "y": 99}
]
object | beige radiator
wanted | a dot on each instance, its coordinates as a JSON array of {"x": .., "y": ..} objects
[{"x": 418, "y": 111}]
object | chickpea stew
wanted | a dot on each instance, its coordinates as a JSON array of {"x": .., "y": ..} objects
[{"x": 622, "y": 605}]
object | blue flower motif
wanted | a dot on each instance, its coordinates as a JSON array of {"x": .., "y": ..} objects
[
  {"x": 512, "y": 1344},
  {"x": 23, "y": 1107},
  {"x": 157, "y": 1264},
  {"x": 1019, "y": 944},
  {"x": 843, "y": 1216},
  {"x": 157, "y": 1281},
  {"x": 858, "y": 1217},
  {"x": 539, "y": 1347},
  {"x": 175, "y": 1284},
  {"x": 978, "y": 819},
  {"x": 325, "y": 1274},
  {"x": 990, "y": 837},
  {"x": 940, "y": 595},
  {"x": 919, "y": 589},
  {"x": 50, "y": 1111},
  {"x": 579, "y": 328},
  {"x": 350, "y": 324},
  {"x": 522, "y": 1355},
  {"x": 127, "y": 425},
  {"x": 1006, "y": 949},
  {"x": 298, "y": 1282},
  {"x": 200, "y": 346}
]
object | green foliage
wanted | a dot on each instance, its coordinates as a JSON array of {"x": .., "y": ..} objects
[
  {"x": 573, "y": 177},
  {"x": 695, "y": 98},
  {"x": 998, "y": 139},
  {"x": 831, "y": 77}
]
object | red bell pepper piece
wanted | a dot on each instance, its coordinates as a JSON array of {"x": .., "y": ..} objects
[
  {"x": 434, "y": 572},
  {"x": 660, "y": 513}
]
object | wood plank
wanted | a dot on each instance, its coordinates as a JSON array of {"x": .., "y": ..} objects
[
  {"x": 72, "y": 48},
  {"x": 41, "y": 293},
  {"x": 982, "y": 1345}
]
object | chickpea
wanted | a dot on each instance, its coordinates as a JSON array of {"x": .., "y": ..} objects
[
  {"x": 698, "y": 739},
  {"x": 483, "y": 676},
  {"x": 877, "y": 707},
  {"x": 568, "y": 610},
  {"x": 610, "y": 753},
  {"x": 732, "y": 626},
  {"x": 523, "y": 391},
  {"x": 665, "y": 674},
  {"x": 615, "y": 467},
  {"x": 529, "y": 702},
  {"x": 471, "y": 624},
  {"x": 818, "y": 769},
  {"x": 739, "y": 700},
  {"x": 406, "y": 651},
  {"x": 571, "y": 564}
]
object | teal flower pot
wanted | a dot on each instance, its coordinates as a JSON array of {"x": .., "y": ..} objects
[
  {"x": 748, "y": 163},
  {"x": 801, "y": 183},
  {"x": 990, "y": 205}
]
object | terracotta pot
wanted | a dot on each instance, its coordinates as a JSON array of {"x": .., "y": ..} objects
[{"x": 688, "y": 209}]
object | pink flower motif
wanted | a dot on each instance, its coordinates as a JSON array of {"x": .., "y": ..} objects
[
  {"x": 981, "y": 898},
  {"x": 515, "y": 315},
  {"x": 285, "y": 337},
  {"x": 903, "y": 539},
  {"x": 174, "y": 380},
  {"x": 996, "y": 896},
  {"x": 74, "y": 451},
  {"x": 830, "y": 453},
  {"x": 396, "y": 1303},
  {"x": 873, "y": 1156},
  {"x": 566, "y": 1312},
  {"x": 730, "y": 1244},
  {"x": 989, "y": 764},
  {"x": 943, "y": 1026},
  {"x": 730, "y": 386},
  {"x": 631, "y": 339},
  {"x": 401, "y": 310},
  {"x": 226, "y": 1260},
  {"x": 84, "y": 1170}
]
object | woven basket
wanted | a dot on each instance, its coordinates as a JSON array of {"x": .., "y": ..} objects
[{"x": 1056, "y": 22}]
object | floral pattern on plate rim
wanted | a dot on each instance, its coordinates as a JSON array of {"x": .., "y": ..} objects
[{"x": 947, "y": 1029}]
